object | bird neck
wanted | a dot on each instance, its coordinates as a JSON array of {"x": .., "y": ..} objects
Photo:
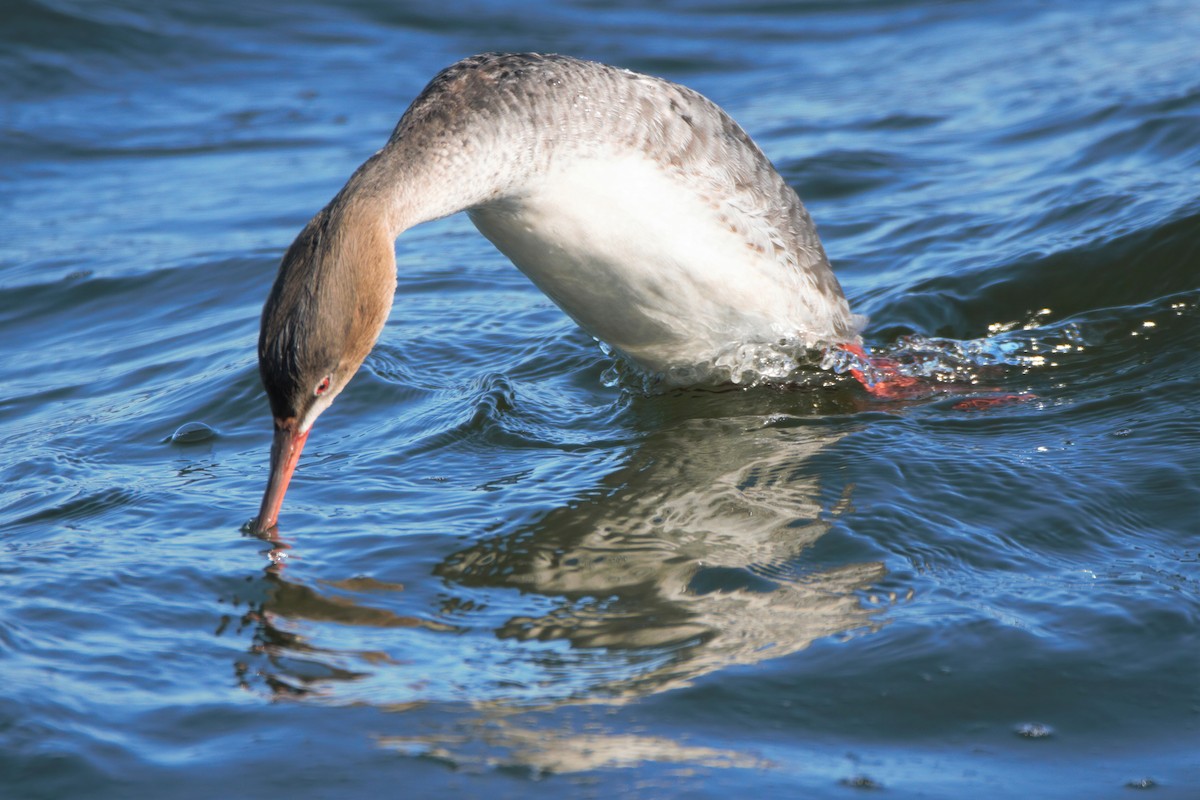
[
  {"x": 401, "y": 186},
  {"x": 355, "y": 274}
]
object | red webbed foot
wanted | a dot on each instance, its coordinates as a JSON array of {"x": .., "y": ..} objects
[{"x": 882, "y": 378}]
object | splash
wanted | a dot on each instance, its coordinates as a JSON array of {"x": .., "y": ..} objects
[
  {"x": 786, "y": 362},
  {"x": 937, "y": 364},
  {"x": 911, "y": 366},
  {"x": 972, "y": 361}
]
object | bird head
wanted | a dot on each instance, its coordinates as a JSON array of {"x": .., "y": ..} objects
[{"x": 328, "y": 305}]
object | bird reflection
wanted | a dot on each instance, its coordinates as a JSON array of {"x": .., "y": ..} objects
[
  {"x": 282, "y": 658},
  {"x": 694, "y": 556},
  {"x": 693, "y": 550}
]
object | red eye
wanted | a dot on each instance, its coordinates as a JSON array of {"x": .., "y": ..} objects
[{"x": 322, "y": 387}]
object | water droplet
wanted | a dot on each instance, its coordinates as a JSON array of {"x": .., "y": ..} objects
[
  {"x": 192, "y": 432},
  {"x": 1034, "y": 730},
  {"x": 861, "y": 782}
]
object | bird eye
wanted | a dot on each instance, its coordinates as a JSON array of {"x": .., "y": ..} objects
[{"x": 322, "y": 387}]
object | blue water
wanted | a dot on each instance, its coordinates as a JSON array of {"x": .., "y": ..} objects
[{"x": 498, "y": 575}]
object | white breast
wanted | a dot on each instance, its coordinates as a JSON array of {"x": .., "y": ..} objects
[{"x": 669, "y": 273}]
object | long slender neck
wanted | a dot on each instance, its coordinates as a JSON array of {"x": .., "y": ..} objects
[
  {"x": 482, "y": 130},
  {"x": 427, "y": 172},
  {"x": 400, "y": 187},
  {"x": 336, "y": 284},
  {"x": 423, "y": 173}
]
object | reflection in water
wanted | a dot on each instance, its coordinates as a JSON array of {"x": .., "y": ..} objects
[
  {"x": 495, "y": 741},
  {"x": 285, "y": 661},
  {"x": 687, "y": 560},
  {"x": 694, "y": 554}
]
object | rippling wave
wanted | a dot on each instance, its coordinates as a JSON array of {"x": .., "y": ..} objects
[{"x": 505, "y": 567}]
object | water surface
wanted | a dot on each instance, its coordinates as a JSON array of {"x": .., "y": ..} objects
[{"x": 497, "y": 575}]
